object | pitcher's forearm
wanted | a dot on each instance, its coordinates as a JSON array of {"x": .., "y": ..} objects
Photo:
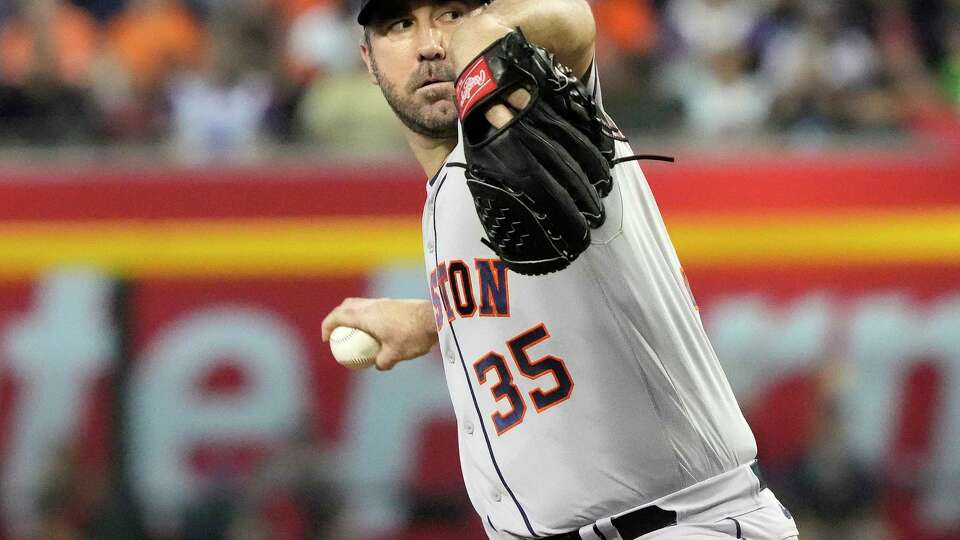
[
  {"x": 564, "y": 27},
  {"x": 425, "y": 319}
]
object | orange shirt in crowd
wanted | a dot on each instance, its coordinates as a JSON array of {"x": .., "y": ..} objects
[
  {"x": 153, "y": 38},
  {"x": 630, "y": 24},
  {"x": 73, "y": 41},
  {"x": 291, "y": 9}
]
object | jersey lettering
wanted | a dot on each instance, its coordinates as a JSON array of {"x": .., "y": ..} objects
[
  {"x": 452, "y": 290},
  {"x": 442, "y": 280},
  {"x": 494, "y": 288},
  {"x": 462, "y": 289},
  {"x": 435, "y": 300}
]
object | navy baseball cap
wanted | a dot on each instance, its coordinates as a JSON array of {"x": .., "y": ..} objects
[
  {"x": 365, "y": 11},
  {"x": 366, "y": 8}
]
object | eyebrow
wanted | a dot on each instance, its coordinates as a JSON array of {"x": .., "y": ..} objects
[{"x": 390, "y": 11}]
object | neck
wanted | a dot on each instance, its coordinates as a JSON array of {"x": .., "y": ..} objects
[{"x": 431, "y": 153}]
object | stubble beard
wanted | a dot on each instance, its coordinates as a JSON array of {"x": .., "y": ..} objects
[{"x": 421, "y": 117}]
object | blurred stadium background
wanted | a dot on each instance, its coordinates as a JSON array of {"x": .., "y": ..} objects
[{"x": 187, "y": 187}]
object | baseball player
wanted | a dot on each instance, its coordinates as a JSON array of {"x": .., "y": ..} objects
[{"x": 590, "y": 402}]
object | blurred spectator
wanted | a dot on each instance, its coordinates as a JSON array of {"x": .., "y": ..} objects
[
  {"x": 921, "y": 107},
  {"x": 324, "y": 42},
  {"x": 149, "y": 43},
  {"x": 226, "y": 79},
  {"x": 296, "y": 489},
  {"x": 810, "y": 41},
  {"x": 368, "y": 126},
  {"x": 289, "y": 495},
  {"x": 154, "y": 40},
  {"x": 630, "y": 25},
  {"x": 804, "y": 449},
  {"x": 321, "y": 42},
  {"x": 47, "y": 48},
  {"x": 211, "y": 517},
  {"x": 291, "y": 9},
  {"x": 823, "y": 73},
  {"x": 47, "y": 38},
  {"x": 711, "y": 73},
  {"x": 626, "y": 60},
  {"x": 832, "y": 494},
  {"x": 102, "y": 10},
  {"x": 322, "y": 39},
  {"x": 950, "y": 69},
  {"x": 710, "y": 26},
  {"x": 436, "y": 501},
  {"x": 725, "y": 97},
  {"x": 219, "y": 112},
  {"x": 80, "y": 500}
]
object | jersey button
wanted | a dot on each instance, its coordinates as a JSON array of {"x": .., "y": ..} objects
[
  {"x": 430, "y": 246},
  {"x": 451, "y": 356},
  {"x": 496, "y": 495},
  {"x": 468, "y": 427}
]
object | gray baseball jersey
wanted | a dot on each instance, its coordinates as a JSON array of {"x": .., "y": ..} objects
[{"x": 583, "y": 393}]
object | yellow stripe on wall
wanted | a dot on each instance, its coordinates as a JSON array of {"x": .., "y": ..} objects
[
  {"x": 328, "y": 247},
  {"x": 832, "y": 239},
  {"x": 348, "y": 246}
]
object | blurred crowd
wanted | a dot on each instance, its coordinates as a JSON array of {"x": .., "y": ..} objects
[
  {"x": 222, "y": 78},
  {"x": 799, "y": 67},
  {"x": 293, "y": 489},
  {"x": 290, "y": 490},
  {"x": 286, "y": 492}
]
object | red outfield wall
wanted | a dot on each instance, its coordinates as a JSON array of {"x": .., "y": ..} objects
[{"x": 826, "y": 285}]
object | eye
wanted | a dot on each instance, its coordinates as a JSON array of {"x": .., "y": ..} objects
[
  {"x": 450, "y": 16},
  {"x": 399, "y": 26}
]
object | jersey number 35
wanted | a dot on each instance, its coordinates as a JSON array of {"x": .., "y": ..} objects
[{"x": 531, "y": 369}]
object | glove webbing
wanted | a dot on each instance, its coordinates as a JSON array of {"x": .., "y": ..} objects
[
  {"x": 616, "y": 135},
  {"x": 617, "y": 161}
]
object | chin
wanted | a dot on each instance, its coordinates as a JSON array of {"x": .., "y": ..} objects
[
  {"x": 441, "y": 110},
  {"x": 447, "y": 108}
]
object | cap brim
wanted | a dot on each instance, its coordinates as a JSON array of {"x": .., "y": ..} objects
[{"x": 366, "y": 13}]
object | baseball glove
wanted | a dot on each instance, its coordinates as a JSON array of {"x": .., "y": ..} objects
[{"x": 537, "y": 182}]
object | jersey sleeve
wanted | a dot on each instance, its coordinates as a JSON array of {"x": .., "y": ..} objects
[{"x": 592, "y": 81}]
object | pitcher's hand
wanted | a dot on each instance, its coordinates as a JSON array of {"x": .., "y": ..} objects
[{"x": 404, "y": 328}]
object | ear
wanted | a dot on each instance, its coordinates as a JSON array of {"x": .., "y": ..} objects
[{"x": 365, "y": 53}]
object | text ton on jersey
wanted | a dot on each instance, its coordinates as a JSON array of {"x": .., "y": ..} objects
[{"x": 461, "y": 290}]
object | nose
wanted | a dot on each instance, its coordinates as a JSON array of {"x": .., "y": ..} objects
[{"x": 432, "y": 44}]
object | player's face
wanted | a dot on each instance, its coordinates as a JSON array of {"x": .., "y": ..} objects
[{"x": 406, "y": 53}]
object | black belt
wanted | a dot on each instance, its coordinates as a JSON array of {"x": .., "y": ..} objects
[
  {"x": 645, "y": 520},
  {"x": 632, "y": 524}
]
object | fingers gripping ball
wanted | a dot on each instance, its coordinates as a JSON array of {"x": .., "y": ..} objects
[{"x": 353, "y": 348}]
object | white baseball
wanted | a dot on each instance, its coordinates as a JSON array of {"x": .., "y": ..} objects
[{"x": 353, "y": 348}]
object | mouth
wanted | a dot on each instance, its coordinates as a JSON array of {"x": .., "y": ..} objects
[{"x": 435, "y": 84}]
